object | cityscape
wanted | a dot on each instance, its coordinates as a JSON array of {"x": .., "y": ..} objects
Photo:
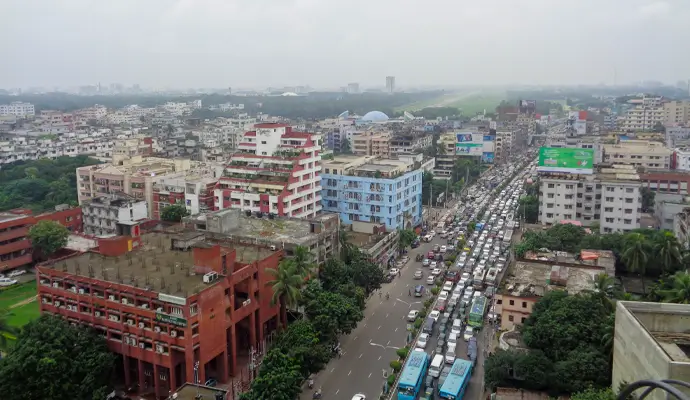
[{"x": 234, "y": 201}]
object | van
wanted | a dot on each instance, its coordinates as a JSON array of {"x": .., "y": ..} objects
[
  {"x": 436, "y": 365},
  {"x": 428, "y": 326},
  {"x": 452, "y": 339}
]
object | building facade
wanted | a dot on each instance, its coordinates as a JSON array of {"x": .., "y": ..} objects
[
  {"x": 172, "y": 303},
  {"x": 18, "y": 109},
  {"x": 374, "y": 190},
  {"x": 278, "y": 171},
  {"x": 639, "y": 153},
  {"x": 113, "y": 215}
]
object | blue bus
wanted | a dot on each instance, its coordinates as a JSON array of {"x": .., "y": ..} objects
[
  {"x": 412, "y": 377},
  {"x": 456, "y": 382}
]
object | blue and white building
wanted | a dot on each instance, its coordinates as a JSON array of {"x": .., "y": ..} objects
[{"x": 370, "y": 189}]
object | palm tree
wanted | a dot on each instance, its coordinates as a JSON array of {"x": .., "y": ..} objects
[
  {"x": 680, "y": 290},
  {"x": 669, "y": 250},
  {"x": 635, "y": 257},
  {"x": 604, "y": 288},
  {"x": 303, "y": 260},
  {"x": 441, "y": 149},
  {"x": 286, "y": 285},
  {"x": 608, "y": 337}
]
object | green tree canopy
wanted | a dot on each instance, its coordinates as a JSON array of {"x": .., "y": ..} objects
[
  {"x": 47, "y": 237},
  {"x": 279, "y": 378},
  {"x": 594, "y": 394},
  {"x": 174, "y": 213},
  {"x": 331, "y": 313},
  {"x": 54, "y": 360}
]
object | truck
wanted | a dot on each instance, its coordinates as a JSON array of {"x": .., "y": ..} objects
[
  {"x": 491, "y": 278},
  {"x": 508, "y": 236},
  {"x": 478, "y": 280}
]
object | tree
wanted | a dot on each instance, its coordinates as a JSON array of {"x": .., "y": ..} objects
[
  {"x": 605, "y": 289},
  {"x": 647, "y": 199},
  {"x": 331, "y": 313},
  {"x": 47, "y": 237},
  {"x": 279, "y": 378},
  {"x": 174, "y": 213},
  {"x": 582, "y": 368},
  {"x": 594, "y": 394},
  {"x": 5, "y": 327},
  {"x": 528, "y": 209},
  {"x": 54, "y": 360},
  {"x": 668, "y": 250},
  {"x": 301, "y": 342},
  {"x": 679, "y": 291},
  {"x": 405, "y": 239},
  {"x": 286, "y": 284},
  {"x": 345, "y": 146},
  {"x": 303, "y": 260},
  {"x": 635, "y": 253}
]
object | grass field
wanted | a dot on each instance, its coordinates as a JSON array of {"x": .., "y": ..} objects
[
  {"x": 477, "y": 103},
  {"x": 22, "y": 315},
  {"x": 16, "y": 294},
  {"x": 423, "y": 104}
]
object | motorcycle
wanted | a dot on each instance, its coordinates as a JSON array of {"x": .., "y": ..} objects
[{"x": 317, "y": 395}]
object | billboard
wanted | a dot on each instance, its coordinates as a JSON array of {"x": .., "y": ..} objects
[
  {"x": 575, "y": 161},
  {"x": 487, "y": 158},
  {"x": 527, "y": 106},
  {"x": 469, "y": 149},
  {"x": 489, "y": 138}
]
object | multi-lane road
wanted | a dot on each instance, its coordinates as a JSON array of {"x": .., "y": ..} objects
[{"x": 369, "y": 349}]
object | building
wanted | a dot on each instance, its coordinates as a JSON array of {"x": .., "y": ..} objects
[
  {"x": 319, "y": 234},
  {"x": 15, "y": 247},
  {"x": 639, "y": 153},
  {"x": 113, "y": 215},
  {"x": 650, "y": 343},
  {"x": 172, "y": 302},
  {"x": 610, "y": 197},
  {"x": 136, "y": 176},
  {"x": 353, "y": 88},
  {"x": 667, "y": 206},
  {"x": 390, "y": 84},
  {"x": 681, "y": 227},
  {"x": 445, "y": 158},
  {"x": 371, "y": 143},
  {"x": 505, "y": 142},
  {"x": 380, "y": 245},
  {"x": 676, "y": 113},
  {"x": 195, "y": 192},
  {"x": 409, "y": 142},
  {"x": 527, "y": 282},
  {"x": 18, "y": 109},
  {"x": 374, "y": 190},
  {"x": 677, "y": 136},
  {"x": 278, "y": 171},
  {"x": 666, "y": 181},
  {"x": 643, "y": 118}
]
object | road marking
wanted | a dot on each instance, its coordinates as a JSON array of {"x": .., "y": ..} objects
[
  {"x": 389, "y": 343},
  {"x": 396, "y": 329},
  {"x": 332, "y": 369},
  {"x": 370, "y": 374},
  {"x": 379, "y": 327},
  {"x": 337, "y": 391},
  {"x": 348, "y": 374},
  {"x": 355, "y": 338},
  {"x": 365, "y": 325},
  {"x": 360, "y": 356},
  {"x": 387, "y": 315},
  {"x": 369, "y": 341},
  {"x": 379, "y": 357}
]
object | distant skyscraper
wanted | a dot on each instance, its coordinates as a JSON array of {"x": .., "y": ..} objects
[
  {"x": 353, "y": 88},
  {"x": 390, "y": 84}
]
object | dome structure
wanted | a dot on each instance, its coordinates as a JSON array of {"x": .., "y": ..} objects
[{"x": 375, "y": 116}]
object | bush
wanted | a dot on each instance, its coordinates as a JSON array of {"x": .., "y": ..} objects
[
  {"x": 396, "y": 365},
  {"x": 448, "y": 263},
  {"x": 435, "y": 290},
  {"x": 422, "y": 314},
  {"x": 427, "y": 303},
  {"x": 391, "y": 380},
  {"x": 417, "y": 323},
  {"x": 402, "y": 352}
]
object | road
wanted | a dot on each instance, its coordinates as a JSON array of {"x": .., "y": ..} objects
[{"x": 369, "y": 349}]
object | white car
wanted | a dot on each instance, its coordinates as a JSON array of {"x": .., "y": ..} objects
[
  {"x": 450, "y": 356},
  {"x": 431, "y": 280},
  {"x": 443, "y": 249},
  {"x": 436, "y": 272},
  {"x": 443, "y": 296},
  {"x": 393, "y": 271},
  {"x": 448, "y": 286},
  {"x": 433, "y": 264},
  {"x": 359, "y": 396},
  {"x": 7, "y": 282},
  {"x": 469, "y": 332},
  {"x": 435, "y": 314},
  {"x": 412, "y": 315},
  {"x": 423, "y": 340},
  {"x": 16, "y": 272}
]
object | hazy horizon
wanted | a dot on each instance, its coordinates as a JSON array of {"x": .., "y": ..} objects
[{"x": 326, "y": 44}]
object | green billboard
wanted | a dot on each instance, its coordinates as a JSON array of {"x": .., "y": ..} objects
[{"x": 574, "y": 161}]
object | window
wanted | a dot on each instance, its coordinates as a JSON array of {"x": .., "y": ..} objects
[
  {"x": 523, "y": 319},
  {"x": 512, "y": 302},
  {"x": 627, "y": 221},
  {"x": 628, "y": 200},
  {"x": 568, "y": 186},
  {"x": 629, "y": 190},
  {"x": 549, "y": 215},
  {"x": 524, "y": 304},
  {"x": 609, "y": 199},
  {"x": 551, "y": 186},
  {"x": 510, "y": 317},
  {"x": 608, "y": 209},
  {"x": 609, "y": 189}
]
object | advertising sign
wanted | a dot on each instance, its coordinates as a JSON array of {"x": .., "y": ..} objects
[
  {"x": 169, "y": 319},
  {"x": 469, "y": 149},
  {"x": 180, "y": 301},
  {"x": 489, "y": 138},
  {"x": 488, "y": 158},
  {"x": 469, "y": 137},
  {"x": 575, "y": 161}
]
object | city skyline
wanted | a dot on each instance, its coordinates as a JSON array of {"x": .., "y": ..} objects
[{"x": 212, "y": 43}]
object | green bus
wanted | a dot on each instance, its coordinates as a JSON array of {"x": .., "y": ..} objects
[{"x": 476, "y": 318}]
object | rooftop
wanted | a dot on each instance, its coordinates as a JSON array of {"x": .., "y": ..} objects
[
  {"x": 154, "y": 265},
  {"x": 587, "y": 258},
  {"x": 190, "y": 391},
  {"x": 527, "y": 279},
  {"x": 10, "y": 216},
  {"x": 666, "y": 323}
]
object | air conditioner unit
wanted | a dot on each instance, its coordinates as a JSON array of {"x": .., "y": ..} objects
[
  {"x": 144, "y": 305},
  {"x": 44, "y": 300},
  {"x": 273, "y": 247},
  {"x": 157, "y": 329},
  {"x": 159, "y": 348},
  {"x": 124, "y": 300},
  {"x": 142, "y": 345},
  {"x": 130, "y": 321},
  {"x": 98, "y": 313},
  {"x": 57, "y": 304},
  {"x": 73, "y": 289},
  {"x": 127, "y": 340},
  {"x": 141, "y": 325},
  {"x": 133, "y": 341},
  {"x": 173, "y": 333},
  {"x": 159, "y": 309},
  {"x": 56, "y": 285},
  {"x": 81, "y": 291},
  {"x": 111, "y": 297}
]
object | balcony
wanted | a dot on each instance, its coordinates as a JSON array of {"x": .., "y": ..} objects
[
  {"x": 16, "y": 262},
  {"x": 14, "y": 233},
  {"x": 15, "y": 246}
]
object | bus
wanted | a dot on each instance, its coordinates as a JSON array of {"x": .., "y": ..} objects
[
  {"x": 455, "y": 384},
  {"x": 412, "y": 377},
  {"x": 476, "y": 318}
]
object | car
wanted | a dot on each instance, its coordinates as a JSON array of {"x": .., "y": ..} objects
[
  {"x": 444, "y": 374},
  {"x": 435, "y": 314},
  {"x": 440, "y": 343},
  {"x": 418, "y": 274},
  {"x": 433, "y": 264},
  {"x": 467, "y": 298},
  {"x": 7, "y": 282},
  {"x": 423, "y": 340},
  {"x": 430, "y": 280},
  {"x": 443, "y": 249},
  {"x": 393, "y": 271},
  {"x": 450, "y": 356},
  {"x": 359, "y": 396},
  {"x": 469, "y": 333},
  {"x": 436, "y": 272},
  {"x": 412, "y": 315},
  {"x": 443, "y": 296},
  {"x": 419, "y": 291},
  {"x": 476, "y": 294},
  {"x": 437, "y": 248},
  {"x": 440, "y": 305},
  {"x": 16, "y": 272},
  {"x": 448, "y": 286},
  {"x": 426, "y": 262}
]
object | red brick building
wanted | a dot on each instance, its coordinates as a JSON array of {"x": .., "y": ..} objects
[
  {"x": 173, "y": 301},
  {"x": 15, "y": 247},
  {"x": 666, "y": 181}
]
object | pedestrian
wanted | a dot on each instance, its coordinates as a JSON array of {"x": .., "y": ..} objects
[
  {"x": 409, "y": 292},
  {"x": 399, "y": 273}
]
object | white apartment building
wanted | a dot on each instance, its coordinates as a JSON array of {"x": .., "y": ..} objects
[
  {"x": 97, "y": 112},
  {"x": 643, "y": 118},
  {"x": 276, "y": 172},
  {"x": 610, "y": 197},
  {"x": 676, "y": 113},
  {"x": 642, "y": 153},
  {"x": 112, "y": 215},
  {"x": 677, "y": 136},
  {"x": 682, "y": 158},
  {"x": 504, "y": 144},
  {"x": 18, "y": 109}
]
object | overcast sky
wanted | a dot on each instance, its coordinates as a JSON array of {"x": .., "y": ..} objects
[{"x": 328, "y": 43}]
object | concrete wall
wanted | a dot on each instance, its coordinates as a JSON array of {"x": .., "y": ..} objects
[{"x": 636, "y": 354}]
